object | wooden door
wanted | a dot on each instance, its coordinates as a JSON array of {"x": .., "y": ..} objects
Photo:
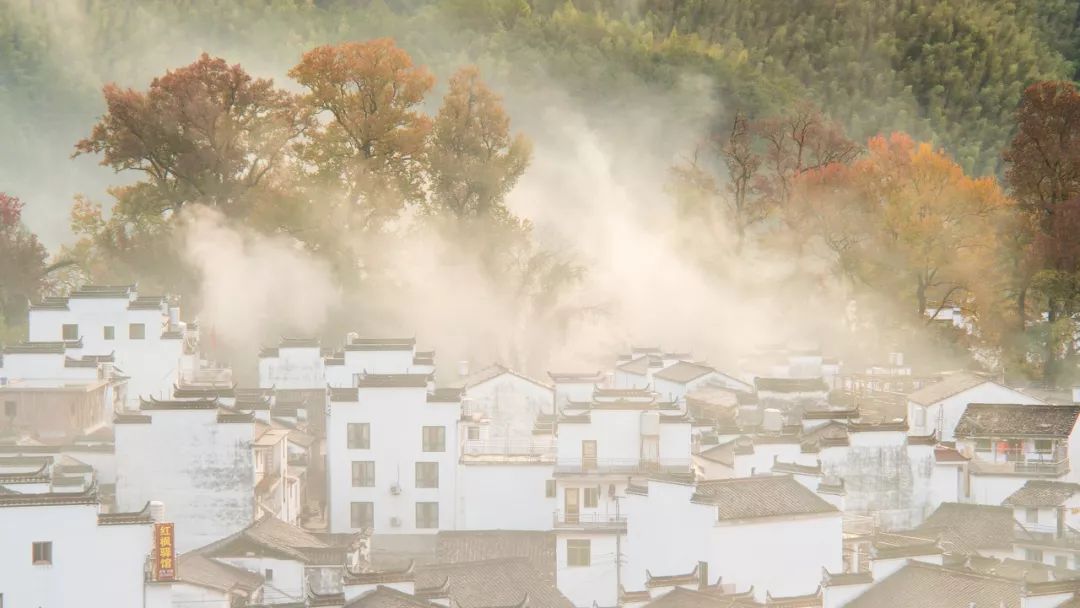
[
  {"x": 588, "y": 454},
  {"x": 572, "y": 502}
]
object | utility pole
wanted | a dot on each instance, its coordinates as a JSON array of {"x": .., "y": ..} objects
[{"x": 618, "y": 554}]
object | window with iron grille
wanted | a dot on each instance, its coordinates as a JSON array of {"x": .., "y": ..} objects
[
  {"x": 359, "y": 436},
  {"x": 578, "y": 552},
  {"x": 363, "y": 474},
  {"x": 434, "y": 439},
  {"x": 427, "y": 515},
  {"x": 362, "y": 515},
  {"x": 427, "y": 474}
]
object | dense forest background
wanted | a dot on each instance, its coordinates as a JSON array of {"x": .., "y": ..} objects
[{"x": 654, "y": 81}]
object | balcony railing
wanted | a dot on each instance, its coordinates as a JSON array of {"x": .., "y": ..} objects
[
  {"x": 1048, "y": 535},
  {"x": 508, "y": 447},
  {"x": 1022, "y": 465},
  {"x": 627, "y": 466},
  {"x": 592, "y": 521}
]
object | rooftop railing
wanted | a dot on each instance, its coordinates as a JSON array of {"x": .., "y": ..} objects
[
  {"x": 625, "y": 466},
  {"x": 1047, "y": 534},
  {"x": 509, "y": 447},
  {"x": 592, "y": 521},
  {"x": 1010, "y": 462}
]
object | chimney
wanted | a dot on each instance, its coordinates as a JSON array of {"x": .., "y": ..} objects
[
  {"x": 1076, "y": 394},
  {"x": 463, "y": 368},
  {"x": 703, "y": 575},
  {"x": 157, "y": 510}
]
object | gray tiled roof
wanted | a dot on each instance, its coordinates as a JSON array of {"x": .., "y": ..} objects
[
  {"x": 271, "y": 534},
  {"x": 493, "y": 582},
  {"x": 474, "y": 545},
  {"x": 952, "y": 384},
  {"x": 683, "y": 372},
  {"x": 1041, "y": 493},
  {"x": 919, "y": 585},
  {"x": 968, "y": 528},
  {"x": 766, "y": 496},
  {"x": 790, "y": 385},
  {"x": 205, "y": 572},
  {"x": 1017, "y": 420},
  {"x": 388, "y": 597}
]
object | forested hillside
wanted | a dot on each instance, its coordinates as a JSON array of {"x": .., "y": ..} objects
[
  {"x": 895, "y": 151},
  {"x": 947, "y": 71}
]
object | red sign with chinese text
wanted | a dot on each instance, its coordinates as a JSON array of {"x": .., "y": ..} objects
[{"x": 164, "y": 553}]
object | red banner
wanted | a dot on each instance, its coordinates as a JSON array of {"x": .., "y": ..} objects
[{"x": 164, "y": 552}]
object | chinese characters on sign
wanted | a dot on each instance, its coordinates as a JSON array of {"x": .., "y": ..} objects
[{"x": 164, "y": 553}]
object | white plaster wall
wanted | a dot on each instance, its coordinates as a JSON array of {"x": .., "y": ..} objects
[
  {"x": 573, "y": 391},
  {"x": 675, "y": 443},
  {"x": 512, "y": 404},
  {"x": 666, "y": 533},
  {"x": 293, "y": 368},
  {"x": 185, "y": 594},
  {"x": 946, "y": 484},
  {"x": 617, "y": 434},
  {"x": 952, "y": 408},
  {"x": 201, "y": 469},
  {"x": 83, "y": 572},
  {"x": 781, "y": 556},
  {"x": 761, "y": 460},
  {"x": 676, "y": 391},
  {"x": 152, "y": 363},
  {"x": 505, "y": 497},
  {"x": 884, "y": 476},
  {"x": 992, "y": 489},
  {"x": 288, "y": 584},
  {"x": 396, "y": 416},
  {"x": 630, "y": 380},
  {"x": 379, "y": 361},
  {"x": 595, "y": 583}
]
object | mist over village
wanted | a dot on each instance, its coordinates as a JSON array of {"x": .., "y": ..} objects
[{"x": 539, "y": 303}]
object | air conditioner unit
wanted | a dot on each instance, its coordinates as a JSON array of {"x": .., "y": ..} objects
[
  {"x": 395, "y": 489},
  {"x": 395, "y": 522}
]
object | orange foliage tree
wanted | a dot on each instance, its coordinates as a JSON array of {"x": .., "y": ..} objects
[
  {"x": 905, "y": 221},
  {"x": 370, "y": 144}
]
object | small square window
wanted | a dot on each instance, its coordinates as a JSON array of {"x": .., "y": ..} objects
[
  {"x": 1061, "y": 561},
  {"x": 474, "y": 433},
  {"x": 363, "y": 474},
  {"x": 434, "y": 438},
  {"x": 42, "y": 553},
  {"x": 110, "y": 332},
  {"x": 427, "y": 474},
  {"x": 1033, "y": 555},
  {"x": 427, "y": 515},
  {"x": 549, "y": 488},
  {"x": 1032, "y": 516},
  {"x": 136, "y": 331},
  {"x": 11, "y": 409},
  {"x": 359, "y": 436},
  {"x": 268, "y": 574},
  {"x": 70, "y": 331},
  {"x": 363, "y": 515},
  {"x": 578, "y": 552}
]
